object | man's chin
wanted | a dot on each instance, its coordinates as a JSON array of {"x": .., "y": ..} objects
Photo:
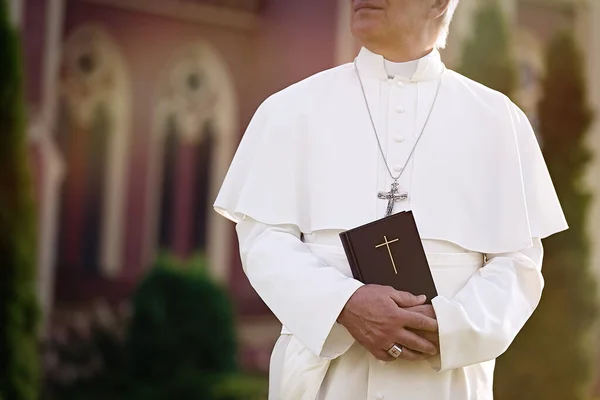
[{"x": 366, "y": 31}]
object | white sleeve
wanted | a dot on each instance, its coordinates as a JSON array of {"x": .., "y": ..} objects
[
  {"x": 483, "y": 318},
  {"x": 303, "y": 292}
]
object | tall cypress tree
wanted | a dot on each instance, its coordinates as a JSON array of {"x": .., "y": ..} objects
[
  {"x": 552, "y": 356},
  {"x": 487, "y": 56},
  {"x": 18, "y": 306}
]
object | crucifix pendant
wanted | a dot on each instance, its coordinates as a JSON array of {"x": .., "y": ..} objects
[{"x": 393, "y": 196}]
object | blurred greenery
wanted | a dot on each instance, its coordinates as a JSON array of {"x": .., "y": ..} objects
[
  {"x": 19, "y": 314},
  {"x": 182, "y": 330},
  {"x": 240, "y": 387},
  {"x": 552, "y": 358},
  {"x": 487, "y": 56},
  {"x": 179, "y": 344}
]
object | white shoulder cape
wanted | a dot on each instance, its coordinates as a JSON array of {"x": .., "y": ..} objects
[{"x": 308, "y": 158}]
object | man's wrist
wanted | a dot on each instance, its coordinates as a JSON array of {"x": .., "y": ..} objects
[{"x": 343, "y": 316}]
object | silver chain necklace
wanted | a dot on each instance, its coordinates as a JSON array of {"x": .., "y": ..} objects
[{"x": 394, "y": 195}]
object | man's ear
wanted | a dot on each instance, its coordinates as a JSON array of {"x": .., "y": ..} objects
[{"x": 439, "y": 8}]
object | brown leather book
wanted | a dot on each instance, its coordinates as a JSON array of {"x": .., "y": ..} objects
[{"x": 389, "y": 252}]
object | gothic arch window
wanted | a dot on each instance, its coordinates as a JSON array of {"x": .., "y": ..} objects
[
  {"x": 193, "y": 140},
  {"x": 93, "y": 136}
]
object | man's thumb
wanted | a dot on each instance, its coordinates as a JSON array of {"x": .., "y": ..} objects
[{"x": 405, "y": 299}]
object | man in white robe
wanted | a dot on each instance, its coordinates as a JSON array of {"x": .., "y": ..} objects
[{"x": 309, "y": 167}]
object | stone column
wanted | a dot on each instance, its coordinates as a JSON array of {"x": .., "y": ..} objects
[
  {"x": 50, "y": 173},
  {"x": 41, "y": 137}
]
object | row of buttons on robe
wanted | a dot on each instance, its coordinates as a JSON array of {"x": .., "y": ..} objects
[{"x": 399, "y": 138}]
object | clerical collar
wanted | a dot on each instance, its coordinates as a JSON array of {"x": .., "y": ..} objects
[
  {"x": 404, "y": 70},
  {"x": 427, "y": 68}
]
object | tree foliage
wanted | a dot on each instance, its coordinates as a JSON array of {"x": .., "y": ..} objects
[
  {"x": 19, "y": 369},
  {"x": 551, "y": 359},
  {"x": 487, "y": 56}
]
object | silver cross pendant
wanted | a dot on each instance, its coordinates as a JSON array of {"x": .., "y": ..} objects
[{"x": 393, "y": 196}]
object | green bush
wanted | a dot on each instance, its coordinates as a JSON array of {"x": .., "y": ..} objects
[
  {"x": 179, "y": 344},
  {"x": 19, "y": 364},
  {"x": 240, "y": 387},
  {"x": 181, "y": 340}
]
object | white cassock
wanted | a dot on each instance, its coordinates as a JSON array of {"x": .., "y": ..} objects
[{"x": 309, "y": 167}]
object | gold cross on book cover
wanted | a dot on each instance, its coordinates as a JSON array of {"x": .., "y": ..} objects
[
  {"x": 389, "y": 252},
  {"x": 387, "y": 244}
]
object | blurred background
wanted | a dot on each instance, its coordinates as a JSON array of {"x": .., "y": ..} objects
[{"x": 118, "y": 120}]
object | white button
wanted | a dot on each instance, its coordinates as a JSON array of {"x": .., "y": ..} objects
[
  {"x": 399, "y": 138},
  {"x": 397, "y": 167},
  {"x": 400, "y": 109},
  {"x": 400, "y": 84}
]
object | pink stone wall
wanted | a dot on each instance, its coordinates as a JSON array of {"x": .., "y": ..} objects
[
  {"x": 34, "y": 35},
  {"x": 295, "y": 39}
]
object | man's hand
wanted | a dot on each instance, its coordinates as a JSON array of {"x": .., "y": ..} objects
[
  {"x": 428, "y": 311},
  {"x": 376, "y": 318},
  {"x": 423, "y": 309}
]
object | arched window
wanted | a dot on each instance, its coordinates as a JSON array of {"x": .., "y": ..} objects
[
  {"x": 92, "y": 135},
  {"x": 193, "y": 140}
]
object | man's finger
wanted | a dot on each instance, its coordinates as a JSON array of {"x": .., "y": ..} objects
[
  {"x": 405, "y": 299},
  {"x": 424, "y": 309},
  {"x": 411, "y": 355},
  {"x": 383, "y": 355},
  {"x": 412, "y": 341},
  {"x": 431, "y": 336},
  {"x": 419, "y": 322}
]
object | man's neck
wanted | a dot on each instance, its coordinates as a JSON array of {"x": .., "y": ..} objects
[{"x": 400, "y": 54}]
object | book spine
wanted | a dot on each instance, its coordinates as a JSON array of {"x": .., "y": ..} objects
[{"x": 351, "y": 257}]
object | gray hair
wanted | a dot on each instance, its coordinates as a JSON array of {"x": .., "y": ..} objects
[{"x": 443, "y": 36}]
